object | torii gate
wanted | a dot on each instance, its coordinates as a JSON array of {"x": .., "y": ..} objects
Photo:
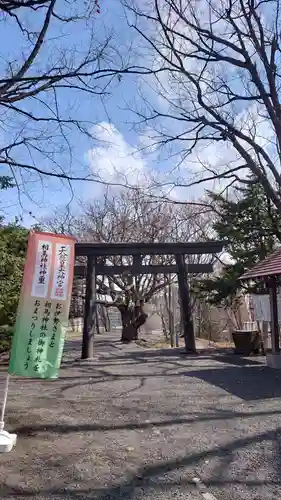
[{"x": 138, "y": 251}]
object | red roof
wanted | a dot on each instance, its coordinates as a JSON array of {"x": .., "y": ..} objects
[{"x": 270, "y": 266}]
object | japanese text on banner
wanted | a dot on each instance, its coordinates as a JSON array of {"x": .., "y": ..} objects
[
  {"x": 61, "y": 272},
  {"x": 41, "y": 277},
  {"x": 44, "y": 306}
]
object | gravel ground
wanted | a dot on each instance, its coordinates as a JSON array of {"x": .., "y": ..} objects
[{"x": 135, "y": 424}]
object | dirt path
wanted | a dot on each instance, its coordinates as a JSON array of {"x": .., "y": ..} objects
[{"x": 141, "y": 424}]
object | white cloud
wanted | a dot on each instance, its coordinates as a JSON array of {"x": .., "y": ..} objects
[
  {"x": 220, "y": 157},
  {"x": 114, "y": 160},
  {"x": 117, "y": 162},
  {"x": 148, "y": 141}
]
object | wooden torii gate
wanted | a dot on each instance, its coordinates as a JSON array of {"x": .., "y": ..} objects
[{"x": 94, "y": 251}]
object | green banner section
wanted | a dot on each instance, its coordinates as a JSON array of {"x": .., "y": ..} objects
[
  {"x": 38, "y": 339},
  {"x": 43, "y": 309}
]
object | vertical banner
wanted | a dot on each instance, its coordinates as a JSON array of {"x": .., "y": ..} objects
[{"x": 44, "y": 306}]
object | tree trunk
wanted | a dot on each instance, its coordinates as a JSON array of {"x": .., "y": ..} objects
[
  {"x": 129, "y": 331},
  {"x": 105, "y": 318},
  {"x": 132, "y": 319},
  {"x": 97, "y": 321}
]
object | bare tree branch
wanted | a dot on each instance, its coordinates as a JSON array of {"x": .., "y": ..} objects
[
  {"x": 127, "y": 217},
  {"x": 42, "y": 87},
  {"x": 221, "y": 75}
]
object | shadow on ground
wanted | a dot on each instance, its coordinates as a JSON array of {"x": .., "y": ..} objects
[
  {"x": 220, "y": 355},
  {"x": 221, "y": 415},
  {"x": 151, "y": 476},
  {"x": 245, "y": 378},
  {"x": 251, "y": 383}
]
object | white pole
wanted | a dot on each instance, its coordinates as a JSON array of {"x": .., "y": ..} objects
[
  {"x": 7, "y": 440},
  {"x": 4, "y": 404}
]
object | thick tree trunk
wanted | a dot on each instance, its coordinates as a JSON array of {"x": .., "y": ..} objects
[
  {"x": 132, "y": 320},
  {"x": 129, "y": 331}
]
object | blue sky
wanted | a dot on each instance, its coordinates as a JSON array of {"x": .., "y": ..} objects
[
  {"x": 114, "y": 154},
  {"x": 88, "y": 108}
]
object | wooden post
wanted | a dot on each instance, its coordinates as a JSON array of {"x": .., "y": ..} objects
[
  {"x": 90, "y": 310},
  {"x": 188, "y": 330},
  {"x": 97, "y": 319},
  {"x": 170, "y": 315},
  {"x": 272, "y": 288},
  {"x": 179, "y": 328},
  {"x": 176, "y": 343}
]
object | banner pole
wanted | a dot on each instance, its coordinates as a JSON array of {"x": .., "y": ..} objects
[
  {"x": 4, "y": 404},
  {"x": 7, "y": 440}
]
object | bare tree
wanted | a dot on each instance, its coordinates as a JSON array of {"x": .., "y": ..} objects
[
  {"x": 220, "y": 83},
  {"x": 57, "y": 54},
  {"x": 131, "y": 216}
]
